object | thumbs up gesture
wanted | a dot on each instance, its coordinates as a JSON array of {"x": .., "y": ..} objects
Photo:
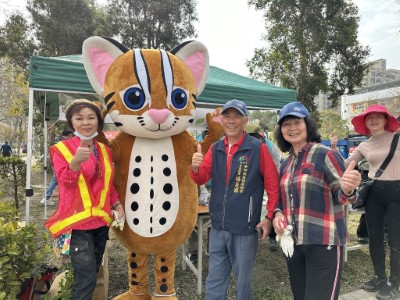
[
  {"x": 82, "y": 154},
  {"x": 197, "y": 159},
  {"x": 351, "y": 178}
]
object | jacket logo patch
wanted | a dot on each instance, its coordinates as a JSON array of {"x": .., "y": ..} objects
[{"x": 241, "y": 174}]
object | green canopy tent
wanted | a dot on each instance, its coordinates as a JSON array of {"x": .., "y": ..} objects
[{"x": 52, "y": 77}]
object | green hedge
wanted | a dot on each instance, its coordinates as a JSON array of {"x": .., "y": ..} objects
[{"x": 13, "y": 179}]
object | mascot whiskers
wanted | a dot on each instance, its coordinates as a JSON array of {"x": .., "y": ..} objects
[{"x": 151, "y": 96}]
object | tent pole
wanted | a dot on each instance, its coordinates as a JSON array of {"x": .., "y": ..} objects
[
  {"x": 45, "y": 153},
  {"x": 28, "y": 190}
]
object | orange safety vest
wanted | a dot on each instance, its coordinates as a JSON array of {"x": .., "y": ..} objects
[{"x": 83, "y": 209}]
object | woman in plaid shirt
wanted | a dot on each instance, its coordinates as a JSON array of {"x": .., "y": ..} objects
[{"x": 314, "y": 186}]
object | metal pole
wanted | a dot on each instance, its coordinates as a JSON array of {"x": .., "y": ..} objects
[
  {"x": 45, "y": 153},
  {"x": 28, "y": 190}
]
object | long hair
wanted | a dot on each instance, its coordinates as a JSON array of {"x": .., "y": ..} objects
[{"x": 312, "y": 133}]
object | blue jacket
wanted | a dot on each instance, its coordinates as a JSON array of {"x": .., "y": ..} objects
[{"x": 236, "y": 207}]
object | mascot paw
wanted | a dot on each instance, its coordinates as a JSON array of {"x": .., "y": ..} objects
[
  {"x": 164, "y": 298},
  {"x": 214, "y": 117},
  {"x": 129, "y": 296},
  {"x": 214, "y": 123}
]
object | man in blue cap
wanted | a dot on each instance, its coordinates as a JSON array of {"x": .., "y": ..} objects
[{"x": 241, "y": 168}]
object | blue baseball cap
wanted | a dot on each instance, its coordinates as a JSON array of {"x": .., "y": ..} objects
[
  {"x": 293, "y": 109},
  {"x": 237, "y": 104}
]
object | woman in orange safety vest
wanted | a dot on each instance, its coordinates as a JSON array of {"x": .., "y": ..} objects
[{"x": 84, "y": 172}]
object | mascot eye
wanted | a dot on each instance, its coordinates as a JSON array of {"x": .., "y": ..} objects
[
  {"x": 179, "y": 98},
  {"x": 134, "y": 98}
]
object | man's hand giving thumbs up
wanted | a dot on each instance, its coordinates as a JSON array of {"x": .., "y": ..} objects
[{"x": 197, "y": 159}]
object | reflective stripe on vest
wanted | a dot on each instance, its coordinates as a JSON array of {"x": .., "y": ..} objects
[{"x": 85, "y": 195}]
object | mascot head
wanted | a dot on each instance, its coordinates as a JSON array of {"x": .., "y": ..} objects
[{"x": 148, "y": 93}]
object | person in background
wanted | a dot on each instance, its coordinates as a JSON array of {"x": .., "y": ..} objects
[
  {"x": 65, "y": 134},
  {"x": 241, "y": 168},
  {"x": 6, "y": 150},
  {"x": 276, "y": 157},
  {"x": 314, "y": 186},
  {"x": 84, "y": 171},
  {"x": 275, "y": 153},
  {"x": 383, "y": 200}
]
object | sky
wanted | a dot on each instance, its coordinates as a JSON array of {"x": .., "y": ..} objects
[
  {"x": 231, "y": 30},
  {"x": 231, "y": 35}
]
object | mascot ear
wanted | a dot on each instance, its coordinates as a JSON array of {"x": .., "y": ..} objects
[
  {"x": 98, "y": 54},
  {"x": 195, "y": 56}
]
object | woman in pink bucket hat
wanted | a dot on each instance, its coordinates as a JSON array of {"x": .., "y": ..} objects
[
  {"x": 383, "y": 198},
  {"x": 359, "y": 121}
]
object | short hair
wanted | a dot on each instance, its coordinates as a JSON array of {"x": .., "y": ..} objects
[
  {"x": 312, "y": 133},
  {"x": 79, "y": 104}
]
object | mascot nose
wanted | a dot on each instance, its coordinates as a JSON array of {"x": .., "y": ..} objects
[{"x": 159, "y": 115}]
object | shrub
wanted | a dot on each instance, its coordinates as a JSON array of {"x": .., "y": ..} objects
[
  {"x": 19, "y": 254},
  {"x": 13, "y": 176}
]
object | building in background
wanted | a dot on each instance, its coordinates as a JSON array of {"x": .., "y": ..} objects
[
  {"x": 378, "y": 74},
  {"x": 380, "y": 86}
]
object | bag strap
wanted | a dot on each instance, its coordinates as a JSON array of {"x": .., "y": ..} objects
[{"x": 389, "y": 157}]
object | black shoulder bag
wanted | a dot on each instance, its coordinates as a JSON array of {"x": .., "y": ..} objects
[{"x": 365, "y": 185}]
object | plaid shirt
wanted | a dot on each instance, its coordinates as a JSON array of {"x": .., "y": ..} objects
[{"x": 311, "y": 198}]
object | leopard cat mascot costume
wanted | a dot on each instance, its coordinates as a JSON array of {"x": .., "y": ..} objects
[{"x": 151, "y": 96}]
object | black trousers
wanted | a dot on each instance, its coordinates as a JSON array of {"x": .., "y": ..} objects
[
  {"x": 87, "y": 249},
  {"x": 384, "y": 201},
  {"x": 315, "y": 272}
]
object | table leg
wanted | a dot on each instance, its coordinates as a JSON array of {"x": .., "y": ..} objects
[
  {"x": 202, "y": 223},
  {"x": 184, "y": 251},
  {"x": 199, "y": 254}
]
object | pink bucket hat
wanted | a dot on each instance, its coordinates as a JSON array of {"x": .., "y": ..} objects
[{"x": 359, "y": 121}]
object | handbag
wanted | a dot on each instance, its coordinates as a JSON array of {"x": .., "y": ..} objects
[
  {"x": 362, "y": 191},
  {"x": 34, "y": 288}
]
